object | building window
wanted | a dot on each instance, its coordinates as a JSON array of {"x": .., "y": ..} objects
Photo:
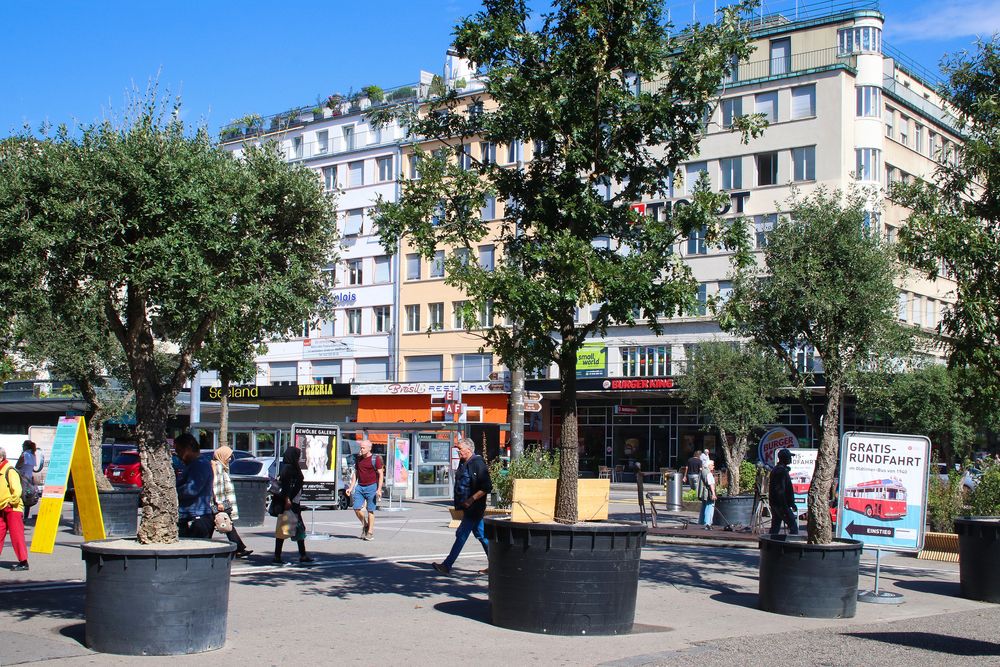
[
  {"x": 868, "y": 164},
  {"x": 381, "y": 269},
  {"x": 464, "y": 155},
  {"x": 781, "y": 56},
  {"x": 734, "y": 71},
  {"x": 413, "y": 266},
  {"x": 902, "y": 306},
  {"x": 329, "y": 178},
  {"x": 355, "y": 272},
  {"x": 458, "y": 314},
  {"x": 725, "y": 291},
  {"x": 904, "y": 130},
  {"x": 647, "y": 361},
  {"x": 489, "y": 209},
  {"x": 929, "y": 320},
  {"x": 475, "y": 110},
  {"x": 513, "y": 152},
  {"x": 413, "y": 318},
  {"x": 353, "y": 220},
  {"x": 348, "y": 134},
  {"x": 435, "y": 312},
  {"x": 486, "y": 314},
  {"x": 918, "y": 311},
  {"x": 383, "y": 319},
  {"x": 322, "y": 141},
  {"x": 283, "y": 373},
  {"x": 890, "y": 116},
  {"x": 804, "y": 163},
  {"x": 763, "y": 224},
  {"x": 767, "y": 168},
  {"x": 487, "y": 152},
  {"x": 437, "y": 265},
  {"x": 864, "y": 39},
  {"x": 869, "y": 102},
  {"x": 462, "y": 255},
  {"x": 414, "y": 167},
  {"x": 473, "y": 367},
  {"x": 371, "y": 370},
  {"x": 424, "y": 369},
  {"x": 767, "y": 104},
  {"x": 486, "y": 257},
  {"x": 701, "y": 307},
  {"x": 692, "y": 173},
  {"x": 918, "y": 137},
  {"x": 297, "y": 146},
  {"x": 354, "y": 320},
  {"x": 804, "y": 102},
  {"x": 732, "y": 108},
  {"x": 696, "y": 242},
  {"x": 356, "y": 174},
  {"x": 933, "y": 145},
  {"x": 732, "y": 173},
  {"x": 384, "y": 165}
]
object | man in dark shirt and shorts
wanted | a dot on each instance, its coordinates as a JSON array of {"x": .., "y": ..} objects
[
  {"x": 365, "y": 488},
  {"x": 692, "y": 471}
]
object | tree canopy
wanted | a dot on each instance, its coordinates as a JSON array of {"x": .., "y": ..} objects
[
  {"x": 599, "y": 102},
  {"x": 734, "y": 387},
  {"x": 166, "y": 235},
  {"x": 956, "y": 218},
  {"x": 828, "y": 284}
]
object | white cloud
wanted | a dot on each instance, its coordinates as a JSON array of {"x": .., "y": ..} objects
[{"x": 949, "y": 19}]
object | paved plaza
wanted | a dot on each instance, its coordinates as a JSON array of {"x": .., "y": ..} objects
[{"x": 380, "y": 602}]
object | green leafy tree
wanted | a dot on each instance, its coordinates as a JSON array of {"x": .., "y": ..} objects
[
  {"x": 570, "y": 88},
  {"x": 170, "y": 234},
  {"x": 957, "y": 216},
  {"x": 827, "y": 284},
  {"x": 734, "y": 388}
]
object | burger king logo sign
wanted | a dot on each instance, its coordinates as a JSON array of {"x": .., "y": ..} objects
[{"x": 773, "y": 440}]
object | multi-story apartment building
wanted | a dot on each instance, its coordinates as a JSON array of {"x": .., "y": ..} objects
[{"x": 844, "y": 109}]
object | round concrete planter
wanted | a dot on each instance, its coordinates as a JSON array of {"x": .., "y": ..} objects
[
  {"x": 251, "y": 499},
  {"x": 156, "y": 599},
  {"x": 979, "y": 557},
  {"x": 564, "y": 579},
  {"x": 812, "y": 580},
  {"x": 120, "y": 510},
  {"x": 733, "y": 510}
]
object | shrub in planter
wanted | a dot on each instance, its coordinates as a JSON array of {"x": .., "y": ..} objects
[
  {"x": 985, "y": 498},
  {"x": 536, "y": 463},
  {"x": 944, "y": 502},
  {"x": 404, "y": 93},
  {"x": 375, "y": 94}
]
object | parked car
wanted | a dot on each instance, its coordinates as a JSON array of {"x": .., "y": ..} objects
[
  {"x": 124, "y": 469},
  {"x": 237, "y": 454},
  {"x": 264, "y": 466}
]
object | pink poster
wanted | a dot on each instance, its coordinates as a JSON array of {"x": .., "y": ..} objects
[{"x": 401, "y": 462}]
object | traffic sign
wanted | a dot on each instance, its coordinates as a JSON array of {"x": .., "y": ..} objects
[
  {"x": 532, "y": 395},
  {"x": 532, "y": 406}
]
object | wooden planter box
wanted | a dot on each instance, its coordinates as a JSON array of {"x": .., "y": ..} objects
[{"x": 940, "y": 546}]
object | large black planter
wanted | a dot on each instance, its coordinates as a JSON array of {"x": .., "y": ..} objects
[
  {"x": 157, "y": 599},
  {"x": 251, "y": 499},
  {"x": 813, "y": 580},
  {"x": 979, "y": 557},
  {"x": 564, "y": 579},
  {"x": 732, "y": 510},
  {"x": 120, "y": 510}
]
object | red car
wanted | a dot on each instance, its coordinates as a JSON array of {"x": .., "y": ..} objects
[{"x": 124, "y": 469}]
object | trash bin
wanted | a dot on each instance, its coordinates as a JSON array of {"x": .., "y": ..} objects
[{"x": 675, "y": 491}]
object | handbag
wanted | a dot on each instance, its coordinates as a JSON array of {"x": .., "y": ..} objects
[
  {"x": 276, "y": 506},
  {"x": 286, "y": 526},
  {"x": 223, "y": 523}
]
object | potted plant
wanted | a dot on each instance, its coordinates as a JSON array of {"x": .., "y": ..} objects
[
  {"x": 374, "y": 93},
  {"x": 733, "y": 387},
  {"x": 156, "y": 594},
  {"x": 568, "y": 576},
  {"x": 402, "y": 93},
  {"x": 829, "y": 287},
  {"x": 979, "y": 539},
  {"x": 333, "y": 103}
]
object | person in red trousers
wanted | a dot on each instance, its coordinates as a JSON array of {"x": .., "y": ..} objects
[{"x": 12, "y": 512}]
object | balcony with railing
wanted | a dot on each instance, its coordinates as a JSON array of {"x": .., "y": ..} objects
[{"x": 338, "y": 142}]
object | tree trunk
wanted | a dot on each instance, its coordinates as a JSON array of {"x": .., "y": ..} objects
[
  {"x": 569, "y": 457},
  {"x": 516, "y": 412},
  {"x": 820, "y": 527},
  {"x": 734, "y": 455},
  {"x": 95, "y": 433},
  {"x": 159, "y": 488},
  {"x": 224, "y": 410}
]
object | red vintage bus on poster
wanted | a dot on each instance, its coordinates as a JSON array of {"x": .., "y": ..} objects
[{"x": 879, "y": 498}]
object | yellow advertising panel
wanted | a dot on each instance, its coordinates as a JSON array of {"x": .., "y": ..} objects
[{"x": 70, "y": 455}]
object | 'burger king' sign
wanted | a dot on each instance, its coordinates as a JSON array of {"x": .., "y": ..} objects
[{"x": 773, "y": 440}]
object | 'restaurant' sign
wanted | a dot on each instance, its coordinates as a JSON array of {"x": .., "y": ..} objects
[{"x": 404, "y": 388}]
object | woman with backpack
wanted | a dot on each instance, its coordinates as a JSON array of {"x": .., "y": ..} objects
[
  {"x": 224, "y": 499},
  {"x": 10, "y": 512},
  {"x": 290, "y": 481}
]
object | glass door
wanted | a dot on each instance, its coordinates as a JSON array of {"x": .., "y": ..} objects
[{"x": 434, "y": 476}]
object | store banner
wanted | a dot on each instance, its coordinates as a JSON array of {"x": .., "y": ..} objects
[
  {"x": 592, "y": 360},
  {"x": 801, "y": 471},
  {"x": 882, "y": 495},
  {"x": 772, "y": 442}
]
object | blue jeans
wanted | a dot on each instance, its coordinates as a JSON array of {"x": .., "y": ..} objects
[
  {"x": 470, "y": 524},
  {"x": 707, "y": 512}
]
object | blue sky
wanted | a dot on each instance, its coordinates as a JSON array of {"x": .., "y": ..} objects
[{"x": 73, "y": 61}]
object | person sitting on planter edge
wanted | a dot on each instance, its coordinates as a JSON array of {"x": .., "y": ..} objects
[
  {"x": 472, "y": 485},
  {"x": 11, "y": 517},
  {"x": 706, "y": 494},
  {"x": 195, "y": 517},
  {"x": 781, "y": 496}
]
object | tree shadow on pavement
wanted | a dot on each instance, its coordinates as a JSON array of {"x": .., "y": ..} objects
[
  {"x": 712, "y": 569},
  {"x": 932, "y": 641},
  {"x": 353, "y": 575},
  {"x": 62, "y": 602},
  {"x": 948, "y": 588}
]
